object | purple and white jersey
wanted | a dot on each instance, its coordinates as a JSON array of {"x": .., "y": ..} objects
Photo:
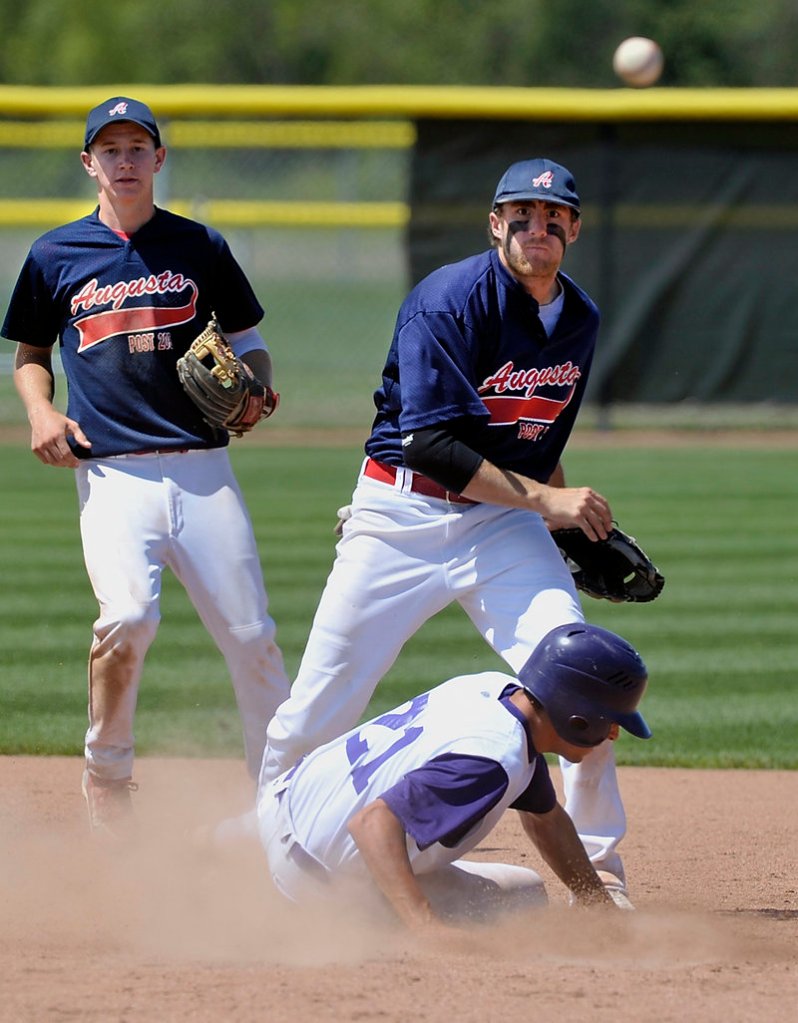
[
  {"x": 469, "y": 345},
  {"x": 448, "y": 763},
  {"x": 124, "y": 310}
]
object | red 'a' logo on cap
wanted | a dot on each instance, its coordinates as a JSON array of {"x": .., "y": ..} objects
[
  {"x": 120, "y": 108},
  {"x": 544, "y": 180}
]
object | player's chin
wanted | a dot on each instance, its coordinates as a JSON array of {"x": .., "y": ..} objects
[
  {"x": 536, "y": 269},
  {"x": 573, "y": 754}
]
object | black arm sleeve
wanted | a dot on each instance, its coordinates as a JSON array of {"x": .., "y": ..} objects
[{"x": 437, "y": 453}]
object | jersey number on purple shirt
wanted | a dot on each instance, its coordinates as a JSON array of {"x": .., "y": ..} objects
[{"x": 357, "y": 747}]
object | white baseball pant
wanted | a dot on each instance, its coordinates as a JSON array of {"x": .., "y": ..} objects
[{"x": 138, "y": 515}]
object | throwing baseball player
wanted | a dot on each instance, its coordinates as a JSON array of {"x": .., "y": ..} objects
[
  {"x": 393, "y": 805},
  {"x": 125, "y": 291},
  {"x": 462, "y": 484}
]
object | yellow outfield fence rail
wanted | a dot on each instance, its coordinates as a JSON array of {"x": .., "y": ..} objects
[
  {"x": 231, "y": 213},
  {"x": 53, "y": 134},
  {"x": 315, "y": 119},
  {"x": 411, "y": 102}
]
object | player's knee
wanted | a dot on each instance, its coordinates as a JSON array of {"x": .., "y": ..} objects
[
  {"x": 127, "y": 629},
  {"x": 255, "y": 642}
]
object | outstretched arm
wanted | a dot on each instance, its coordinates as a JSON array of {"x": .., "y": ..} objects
[
  {"x": 35, "y": 384},
  {"x": 554, "y": 836}
]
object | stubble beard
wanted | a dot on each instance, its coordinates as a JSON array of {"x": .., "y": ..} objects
[{"x": 542, "y": 264}]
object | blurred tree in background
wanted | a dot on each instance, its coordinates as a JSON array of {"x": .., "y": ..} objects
[{"x": 361, "y": 42}]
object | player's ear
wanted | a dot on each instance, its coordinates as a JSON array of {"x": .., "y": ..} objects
[
  {"x": 88, "y": 166},
  {"x": 574, "y": 229},
  {"x": 160, "y": 157},
  {"x": 494, "y": 225}
]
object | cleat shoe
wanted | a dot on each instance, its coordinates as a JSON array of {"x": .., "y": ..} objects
[{"x": 110, "y": 808}]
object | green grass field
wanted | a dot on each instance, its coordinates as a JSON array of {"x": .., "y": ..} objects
[{"x": 721, "y": 643}]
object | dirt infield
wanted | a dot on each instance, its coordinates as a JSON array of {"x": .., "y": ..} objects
[{"x": 166, "y": 933}]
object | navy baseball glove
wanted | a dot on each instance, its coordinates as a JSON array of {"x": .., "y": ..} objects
[
  {"x": 223, "y": 387},
  {"x": 615, "y": 569}
]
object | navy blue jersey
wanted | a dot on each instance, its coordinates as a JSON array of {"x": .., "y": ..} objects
[
  {"x": 469, "y": 351},
  {"x": 124, "y": 310}
]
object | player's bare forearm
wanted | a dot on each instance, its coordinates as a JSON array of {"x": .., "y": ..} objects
[
  {"x": 381, "y": 839},
  {"x": 35, "y": 384},
  {"x": 555, "y": 837},
  {"x": 560, "y": 506}
]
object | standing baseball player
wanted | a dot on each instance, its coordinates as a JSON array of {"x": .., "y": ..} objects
[
  {"x": 124, "y": 291},
  {"x": 462, "y": 483},
  {"x": 393, "y": 805}
]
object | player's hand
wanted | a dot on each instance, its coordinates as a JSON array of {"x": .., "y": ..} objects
[
  {"x": 49, "y": 432},
  {"x": 581, "y": 507},
  {"x": 343, "y": 514}
]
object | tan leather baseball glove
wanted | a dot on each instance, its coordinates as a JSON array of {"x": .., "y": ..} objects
[{"x": 223, "y": 387}]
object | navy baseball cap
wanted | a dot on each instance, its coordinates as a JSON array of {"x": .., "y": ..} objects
[
  {"x": 120, "y": 108},
  {"x": 537, "y": 179}
]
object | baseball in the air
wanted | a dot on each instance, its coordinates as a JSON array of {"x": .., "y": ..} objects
[{"x": 638, "y": 61}]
